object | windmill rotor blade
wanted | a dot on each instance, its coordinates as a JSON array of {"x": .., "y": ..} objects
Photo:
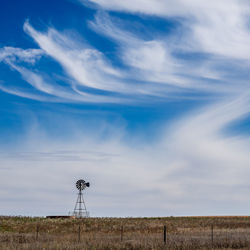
[{"x": 81, "y": 184}]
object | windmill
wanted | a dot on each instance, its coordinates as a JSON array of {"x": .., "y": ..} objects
[{"x": 80, "y": 210}]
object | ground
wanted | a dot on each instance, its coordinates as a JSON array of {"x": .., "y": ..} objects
[{"x": 125, "y": 233}]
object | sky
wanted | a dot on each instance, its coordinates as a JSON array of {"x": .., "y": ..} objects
[{"x": 148, "y": 100}]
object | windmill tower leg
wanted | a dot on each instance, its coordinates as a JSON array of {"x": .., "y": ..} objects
[{"x": 80, "y": 209}]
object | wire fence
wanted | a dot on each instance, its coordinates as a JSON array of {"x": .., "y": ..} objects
[
  {"x": 95, "y": 233},
  {"x": 81, "y": 236}
]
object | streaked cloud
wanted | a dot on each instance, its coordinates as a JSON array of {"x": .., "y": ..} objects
[
  {"x": 17, "y": 54},
  {"x": 214, "y": 27},
  {"x": 193, "y": 159},
  {"x": 205, "y": 57},
  {"x": 150, "y": 68}
]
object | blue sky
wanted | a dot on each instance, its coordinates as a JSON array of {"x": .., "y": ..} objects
[{"x": 147, "y": 100}]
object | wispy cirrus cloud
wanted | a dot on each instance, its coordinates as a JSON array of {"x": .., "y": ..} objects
[
  {"x": 194, "y": 151},
  {"x": 156, "y": 60},
  {"x": 157, "y": 67},
  {"x": 85, "y": 64},
  {"x": 207, "y": 55},
  {"x": 151, "y": 67},
  {"x": 214, "y": 27},
  {"x": 17, "y": 54},
  {"x": 149, "y": 60},
  {"x": 48, "y": 89},
  {"x": 86, "y": 69}
]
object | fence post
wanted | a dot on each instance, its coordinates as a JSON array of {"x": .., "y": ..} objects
[
  {"x": 165, "y": 234},
  {"x": 79, "y": 233},
  {"x": 121, "y": 233},
  {"x": 37, "y": 231},
  {"x": 212, "y": 234}
]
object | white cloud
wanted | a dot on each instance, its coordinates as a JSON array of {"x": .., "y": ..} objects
[
  {"x": 151, "y": 70},
  {"x": 23, "y": 93},
  {"x": 86, "y": 65},
  {"x": 218, "y": 27},
  {"x": 191, "y": 162},
  {"x": 194, "y": 160},
  {"x": 155, "y": 60},
  {"x": 42, "y": 82},
  {"x": 149, "y": 60},
  {"x": 13, "y": 54}
]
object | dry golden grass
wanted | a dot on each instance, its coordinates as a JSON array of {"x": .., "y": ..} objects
[{"x": 138, "y": 233}]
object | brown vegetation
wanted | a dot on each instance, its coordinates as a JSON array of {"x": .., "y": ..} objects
[{"x": 125, "y": 233}]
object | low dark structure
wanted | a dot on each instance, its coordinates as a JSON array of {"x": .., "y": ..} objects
[{"x": 60, "y": 217}]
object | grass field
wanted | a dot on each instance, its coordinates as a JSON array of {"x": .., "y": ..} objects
[{"x": 125, "y": 233}]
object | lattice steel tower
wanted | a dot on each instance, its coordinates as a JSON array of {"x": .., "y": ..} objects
[{"x": 80, "y": 209}]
